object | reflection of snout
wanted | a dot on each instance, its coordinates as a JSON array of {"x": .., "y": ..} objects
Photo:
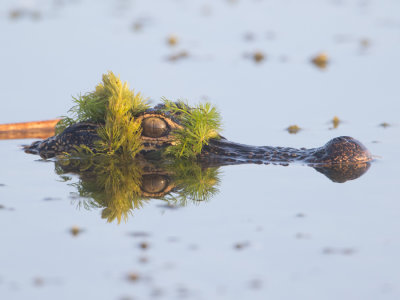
[
  {"x": 342, "y": 173},
  {"x": 154, "y": 184}
]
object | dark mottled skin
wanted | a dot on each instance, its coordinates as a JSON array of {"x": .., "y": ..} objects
[
  {"x": 338, "y": 151},
  {"x": 77, "y": 134}
]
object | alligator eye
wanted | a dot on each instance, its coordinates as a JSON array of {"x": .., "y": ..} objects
[
  {"x": 154, "y": 183},
  {"x": 154, "y": 127}
]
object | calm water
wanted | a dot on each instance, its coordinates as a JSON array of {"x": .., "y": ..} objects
[{"x": 271, "y": 231}]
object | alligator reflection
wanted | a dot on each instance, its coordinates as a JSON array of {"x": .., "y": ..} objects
[{"x": 120, "y": 188}]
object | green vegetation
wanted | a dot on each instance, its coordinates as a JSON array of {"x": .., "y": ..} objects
[
  {"x": 112, "y": 177},
  {"x": 193, "y": 182},
  {"x": 293, "y": 129},
  {"x": 114, "y": 106},
  {"x": 118, "y": 189},
  {"x": 199, "y": 125},
  {"x": 105, "y": 183}
]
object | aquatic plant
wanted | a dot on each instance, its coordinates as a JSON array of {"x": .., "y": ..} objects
[
  {"x": 193, "y": 182},
  {"x": 117, "y": 186},
  {"x": 114, "y": 106},
  {"x": 107, "y": 183},
  {"x": 199, "y": 124}
]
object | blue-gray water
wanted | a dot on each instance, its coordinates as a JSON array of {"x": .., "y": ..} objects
[{"x": 302, "y": 236}]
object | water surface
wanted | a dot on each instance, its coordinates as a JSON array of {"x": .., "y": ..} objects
[{"x": 271, "y": 231}]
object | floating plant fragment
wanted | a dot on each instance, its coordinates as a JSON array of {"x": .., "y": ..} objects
[
  {"x": 321, "y": 60},
  {"x": 172, "y": 40},
  {"x": 178, "y": 56},
  {"x": 75, "y": 230},
  {"x": 384, "y": 125},
  {"x": 336, "y": 121},
  {"x": 258, "y": 56},
  {"x": 293, "y": 129}
]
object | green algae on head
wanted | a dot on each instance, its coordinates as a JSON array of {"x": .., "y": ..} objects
[
  {"x": 93, "y": 106},
  {"x": 199, "y": 124},
  {"x": 117, "y": 110},
  {"x": 114, "y": 106}
]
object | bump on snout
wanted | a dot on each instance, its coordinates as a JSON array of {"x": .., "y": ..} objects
[{"x": 345, "y": 149}]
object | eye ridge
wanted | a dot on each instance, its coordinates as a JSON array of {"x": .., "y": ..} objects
[{"x": 154, "y": 127}]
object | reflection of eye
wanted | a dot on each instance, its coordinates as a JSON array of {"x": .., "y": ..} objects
[
  {"x": 154, "y": 183},
  {"x": 154, "y": 127}
]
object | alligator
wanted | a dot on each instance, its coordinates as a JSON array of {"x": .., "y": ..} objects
[{"x": 340, "y": 153}]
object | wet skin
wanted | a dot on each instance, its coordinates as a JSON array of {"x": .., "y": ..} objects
[{"x": 157, "y": 130}]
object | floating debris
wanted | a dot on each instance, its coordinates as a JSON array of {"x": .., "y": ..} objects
[
  {"x": 241, "y": 245},
  {"x": 302, "y": 236},
  {"x": 178, "y": 56},
  {"x": 293, "y": 129},
  {"x": 139, "y": 23},
  {"x": 336, "y": 121},
  {"x": 300, "y": 215},
  {"x": 6, "y": 208},
  {"x": 143, "y": 260},
  {"x": 75, "y": 230},
  {"x": 168, "y": 206},
  {"x": 137, "y": 26},
  {"x": 255, "y": 284},
  {"x": 139, "y": 234},
  {"x": 132, "y": 277},
  {"x": 340, "y": 251},
  {"x": 51, "y": 198},
  {"x": 21, "y": 13},
  {"x": 321, "y": 60},
  {"x": 193, "y": 247},
  {"x": 38, "y": 281},
  {"x": 172, "y": 40},
  {"x": 144, "y": 245},
  {"x": 249, "y": 37},
  {"x": 2, "y": 184},
  {"x": 258, "y": 56},
  {"x": 365, "y": 43},
  {"x": 172, "y": 239},
  {"x": 157, "y": 292},
  {"x": 183, "y": 292},
  {"x": 384, "y": 125}
]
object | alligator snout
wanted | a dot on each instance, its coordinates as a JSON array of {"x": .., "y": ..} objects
[{"x": 341, "y": 150}]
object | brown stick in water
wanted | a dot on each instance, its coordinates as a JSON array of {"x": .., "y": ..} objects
[{"x": 28, "y": 130}]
